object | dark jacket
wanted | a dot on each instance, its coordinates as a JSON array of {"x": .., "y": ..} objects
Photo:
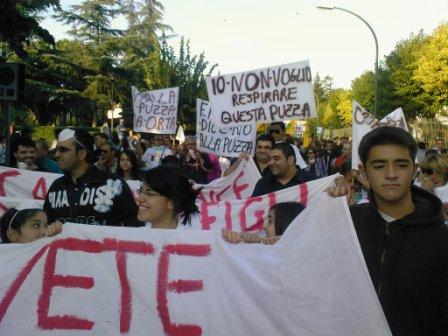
[
  {"x": 195, "y": 170},
  {"x": 269, "y": 183},
  {"x": 408, "y": 263},
  {"x": 97, "y": 197}
]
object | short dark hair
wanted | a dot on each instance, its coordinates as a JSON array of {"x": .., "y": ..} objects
[
  {"x": 83, "y": 141},
  {"x": 285, "y": 213},
  {"x": 172, "y": 183},
  {"x": 265, "y": 137},
  {"x": 286, "y": 149},
  {"x": 386, "y": 135},
  {"x": 23, "y": 141},
  {"x": 15, "y": 219},
  {"x": 101, "y": 135},
  {"x": 279, "y": 123}
]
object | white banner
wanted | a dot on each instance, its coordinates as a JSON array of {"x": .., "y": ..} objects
[
  {"x": 363, "y": 122},
  {"x": 93, "y": 280},
  {"x": 226, "y": 203},
  {"x": 155, "y": 111},
  {"x": 277, "y": 93},
  {"x": 230, "y": 142}
]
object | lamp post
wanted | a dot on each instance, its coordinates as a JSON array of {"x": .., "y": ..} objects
[{"x": 376, "y": 48}]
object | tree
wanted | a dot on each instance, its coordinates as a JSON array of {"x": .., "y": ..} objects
[
  {"x": 363, "y": 89},
  {"x": 432, "y": 67},
  {"x": 19, "y": 23}
]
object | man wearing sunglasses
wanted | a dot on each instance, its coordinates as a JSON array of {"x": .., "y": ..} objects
[
  {"x": 278, "y": 130},
  {"x": 108, "y": 160},
  {"x": 86, "y": 194}
]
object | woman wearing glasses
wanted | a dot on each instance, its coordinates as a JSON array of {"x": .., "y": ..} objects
[
  {"x": 433, "y": 177},
  {"x": 166, "y": 197}
]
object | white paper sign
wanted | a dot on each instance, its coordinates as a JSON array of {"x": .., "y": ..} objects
[
  {"x": 363, "y": 122},
  {"x": 155, "y": 111},
  {"x": 230, "y": 142},
  {"x": 276, "y": 93},
  {"x": 93, "y": 280}
]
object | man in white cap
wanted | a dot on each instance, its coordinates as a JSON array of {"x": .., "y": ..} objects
[{"x": 85, "y": 194}]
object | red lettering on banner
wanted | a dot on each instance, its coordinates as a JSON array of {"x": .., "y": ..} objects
[
  {"x": 51, "y": 280},
  {"x": 3, "y": 176},
  {"x": 272, "y": 200},
  {"x": 18, "y": 282},
  {"x": 212, "y": 195},
  {"x": 41, "y": 184},
  {"x": 303, "y": 194},
  {"x": 206, "y": 220},
  {"x": 123, "y": 247},
  {"x": 237, "y": 189},
  {"x": 178, "y": 286},
  {"x": 228, "y": 215},
  {"x": 259, "y": 215}
]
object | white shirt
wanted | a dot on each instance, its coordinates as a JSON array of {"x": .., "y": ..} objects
[
  {"x": 154, "y": 155},
  {"x": 440, "y": 192}
]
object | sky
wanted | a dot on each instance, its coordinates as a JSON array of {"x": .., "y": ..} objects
[{"x": 242, "y": 35}]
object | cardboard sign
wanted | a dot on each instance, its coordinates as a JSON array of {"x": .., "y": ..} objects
[
  {"x": 363, "y": 122},
  {"x": 155, "y": 111},
  {"x": 93, "y": 280},
  {"x": 230, "y": 142},
  {"x": 276, "y": 93}
]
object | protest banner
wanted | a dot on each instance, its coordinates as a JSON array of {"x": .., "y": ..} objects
[
  {"x": 26, "y": 184},
  {"x": 276, "y": 93},
  {"x": 225, "y": 203},
  {"x": 222, "y": 141},
  {"x": 363, "y": 122},
  {"x": 155, "y": 111},
  {"x": 238, "y": 185},
  {"x": 93, "y": 280}
]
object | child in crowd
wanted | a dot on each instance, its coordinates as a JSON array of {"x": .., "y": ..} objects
[
  {"x": 25, "y": 225},
  {"x": 279, "y": 218}
]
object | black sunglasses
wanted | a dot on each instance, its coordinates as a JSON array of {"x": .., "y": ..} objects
[{"x": 274, "y": 131}]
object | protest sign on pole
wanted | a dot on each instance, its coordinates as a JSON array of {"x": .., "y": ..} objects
[
  {"x": 155, "y": 111},
  {"x": 94, "y": 280},
  {"x": 363, "y": 122},
  {"x": 223, "y": 141},
  {"x": 276, "y": 93}
]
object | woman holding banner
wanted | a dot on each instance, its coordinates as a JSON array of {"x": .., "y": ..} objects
[{"x": 165, "y": 197}]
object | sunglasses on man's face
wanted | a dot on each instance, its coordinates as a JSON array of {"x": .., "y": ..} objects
[{"x": 274, "y": 131}]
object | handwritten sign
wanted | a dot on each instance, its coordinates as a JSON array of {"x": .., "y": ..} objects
[
  {"x": 155, "y": 111},
  {"x": 364, "y": 122},
  {"x": 276, "y": 93},
  {"x": 230, "y": 142},
  {"x": 93, "y": 280}
]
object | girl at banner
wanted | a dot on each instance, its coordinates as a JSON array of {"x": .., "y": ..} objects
[
  {"x": 26, "y": 224},
  {"x": 165, "y": 197},
  {"x": 279, "y": 218}
]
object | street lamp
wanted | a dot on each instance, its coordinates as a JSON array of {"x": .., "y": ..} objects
[{"x": 376, "y": 46}]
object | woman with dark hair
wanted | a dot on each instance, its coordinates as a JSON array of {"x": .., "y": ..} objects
[
  {"x": 166, "y": 196},
  {"x": 279, "y": 217},
  {"x": 128, "y": 168}
]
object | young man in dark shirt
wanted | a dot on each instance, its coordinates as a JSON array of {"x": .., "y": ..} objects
[
  {"x": 284, "y": 174},
  {"x": 403, "y": 236}
]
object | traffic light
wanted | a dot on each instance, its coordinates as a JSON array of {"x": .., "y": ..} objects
[{"x": 12, "y": 78}]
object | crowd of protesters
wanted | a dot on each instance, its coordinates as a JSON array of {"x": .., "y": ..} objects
[{"x": 398, "y": 195}]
